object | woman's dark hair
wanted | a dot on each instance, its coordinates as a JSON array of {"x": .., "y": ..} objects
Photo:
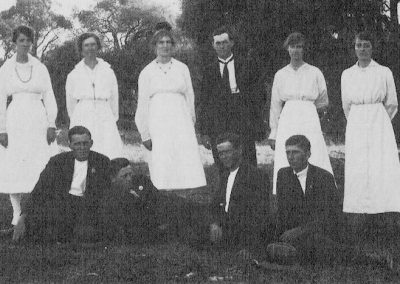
[
  {"x": 84, "y": 37},
  {"x": 78, "y": 130},
  {"x": 160, "y": 34},
  {"x": 367, "y": 36},
  {"x": 163, "y": 26},
  {"x": 117, "y": 164},
  {"x": 294, "y": 38},
  {"x": 299, "y": 140},
  {"x": 233, "y": 138},
  {"x": 25, "y": 30}
]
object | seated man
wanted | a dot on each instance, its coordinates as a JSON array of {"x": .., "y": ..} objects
[
  {"x": 240, "y": 206},
  {"x": 64, "y": 204},
  {"x": 308, "y": 210},
  {"x": 129, "y": 209},
  {"x": 135, "y": 211}
]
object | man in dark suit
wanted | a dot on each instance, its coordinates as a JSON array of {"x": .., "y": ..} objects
[
  {"x": 239, "y": 208},
  {"x": 231, "y": 99},
  {"x": 65, "y": 203},
  {"x": 308, "y": 212}
]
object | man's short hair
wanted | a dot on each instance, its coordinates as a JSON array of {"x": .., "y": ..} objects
[
  {"x": 299, "y": 140},
  {"x": 84, "y": 37},
  {"x": 25, "y": 30},
  {"x": 220, "y": 31},
  {"x": 78, "y": 130},
  {"x": 233, "y": 138},
  {"x": 117, "y": 164}
]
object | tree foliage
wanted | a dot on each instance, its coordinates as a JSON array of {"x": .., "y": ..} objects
[
  {"x": 123, "y": 22},
  {"x": 38, "y": 15}
]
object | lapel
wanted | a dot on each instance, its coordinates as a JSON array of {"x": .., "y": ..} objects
[
  {"x": 310, "y": 180},
  {"x": 68, "y": 169},
  {"x": 240, "y": 175},
  {"x": 91, "y": 171},
  {"x": 296, "y": 183}
]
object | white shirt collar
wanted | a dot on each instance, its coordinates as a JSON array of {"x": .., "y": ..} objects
[
  {"x": 225, "y": 60},
  {"x": 302, "y": 173}
]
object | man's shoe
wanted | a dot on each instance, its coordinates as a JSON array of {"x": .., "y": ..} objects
[{"x": 282, "y": 253}]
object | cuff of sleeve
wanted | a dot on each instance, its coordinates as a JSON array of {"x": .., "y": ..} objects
[
  {"x": 272, "y": 135},
  {"x": 145, "y": 136}
]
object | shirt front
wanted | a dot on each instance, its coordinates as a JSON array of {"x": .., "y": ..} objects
[
  {"x": 231, "y": 70},
  {"x": 78, "y": 185},
  {"x": 229, "y": 186},
  {"x": 302, "y": 177}
]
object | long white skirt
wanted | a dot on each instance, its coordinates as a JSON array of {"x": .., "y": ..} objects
[
  {"x": 174, "y": 161},
  {"x": 372, "y": 169},
  {"x": 300, "y": 117},
  {"x": 98, "y": 118},
  {"x": 27, "y": 152}
]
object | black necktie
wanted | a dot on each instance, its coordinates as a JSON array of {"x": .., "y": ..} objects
[{"x": 225, "y": 76}]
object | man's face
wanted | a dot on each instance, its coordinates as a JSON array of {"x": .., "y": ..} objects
[
  {"x": 229, "y": 156},
  {"x": 124, "y": 178},
  {"x": 223, "y": 45},
  {"x": 80, "y": 145},
  {"x": 297, "y": 157}
]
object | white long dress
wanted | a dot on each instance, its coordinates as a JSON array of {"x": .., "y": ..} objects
[
  {"x": 32, "y": 110},
  {"x": 92, "y": 101},
  {"x": 296, "y": 95},
  {"x": 165, "y": 114},
  {"x": 372, "y": 169}
]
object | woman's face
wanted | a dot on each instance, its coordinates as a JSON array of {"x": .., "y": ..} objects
[
  {"x": 296, "y": 51},
  {"x": 164, "y": 46},
  {"x": 23, "y": 44},
  {"x": 363, "y": 49},
  {"x": 89, "y": 47}
]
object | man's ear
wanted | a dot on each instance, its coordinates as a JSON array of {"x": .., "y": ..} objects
[{"x": 91, "y": 143}]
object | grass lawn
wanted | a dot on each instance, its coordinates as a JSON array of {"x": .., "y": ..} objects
[{"x": 170, "y": 261}]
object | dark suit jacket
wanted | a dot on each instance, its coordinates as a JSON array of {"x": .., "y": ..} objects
[
  {"x": 52, "y": 190},
  {"x": 316, "y": 210},
  {"x": 221, "y": 112},
  {"x": 246, "y": 221}
]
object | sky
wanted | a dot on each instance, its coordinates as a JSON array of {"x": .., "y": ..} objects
[{"x": 171, "y": 8}]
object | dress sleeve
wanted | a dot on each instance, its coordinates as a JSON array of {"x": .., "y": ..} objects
[
  {"x": 346, "y": 104},
  {"x": 276, "y": 107},
  {"x": 142, "y": 110},
  {"x": 322, "y": 99},
  {"x": 69, "y": 90},
  {"x": 189, "y": 94},
  {"x": 114, "y": 99},
  {"x": 3, "y": 103},
  {"x": 49, "y": 99},
  {"x": 390, "y": 101}
]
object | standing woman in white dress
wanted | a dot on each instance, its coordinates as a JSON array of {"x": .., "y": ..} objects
[
  {"x": 92, "y": 97},
  {"x": 165, "y": 118},
  {"x": 27, "y": 125},
  {"x": 372, "y": 168},
  {"x": 298, "y": 92}
]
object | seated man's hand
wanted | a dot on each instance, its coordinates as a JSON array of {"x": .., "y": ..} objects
[
  {"x": 148, "y": 144},
  {"x": 292, "y": 235},
  {"x": 206, "y": 141},
  {"x": 19, "y": 229},
  {"x": 215, "y": 233}
]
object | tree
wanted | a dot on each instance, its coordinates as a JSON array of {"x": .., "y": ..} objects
[
  {"x": 121, "y": 21},
  {"x": 38, "y": 15}
]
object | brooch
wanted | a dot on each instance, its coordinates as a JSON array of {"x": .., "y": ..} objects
[{"x": 140, "y": 187}]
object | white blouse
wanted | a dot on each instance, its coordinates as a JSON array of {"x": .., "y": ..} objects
[
  {"x": 12, "y": 83},
  {"x": 370, "y": 85},
  {"x": 173, "y": 77},
  {"x": 306, "y": 83},
  {"x": 99, "y": 83}
]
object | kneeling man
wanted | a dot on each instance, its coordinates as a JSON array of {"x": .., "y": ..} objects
[
  {"x": 66, "y": 201},
  {"x": 240, "y": 206}
]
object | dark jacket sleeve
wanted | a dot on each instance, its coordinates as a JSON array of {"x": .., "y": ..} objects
[
  {"x": 44, "y": 188},
  {"x": 282, "y": 213}
]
